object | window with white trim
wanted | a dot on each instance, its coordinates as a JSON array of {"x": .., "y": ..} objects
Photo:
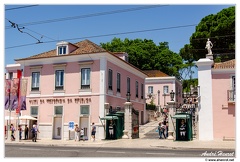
[
  {"x": 35, "y": 81},
  {"x": 62, "y": 50},
  {"x": 58, "y": 110},
  {"x": 85, "y": 78},
  {"x": 84, "y": 110},
  {"x": 165, "y": 89},
  {"x": 59, "y": 79},
  {"x": 136, "y": 89},
  {"x": 142, "y": 91},
  {"x": 110, "y": 79},
  {"x": 34, "y": 110},
  {"x": 233, "y": 83},
  {"x": 150, "y": 89}
]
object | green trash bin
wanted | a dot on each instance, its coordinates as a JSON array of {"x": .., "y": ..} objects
[{"x": 183, "y": 126}]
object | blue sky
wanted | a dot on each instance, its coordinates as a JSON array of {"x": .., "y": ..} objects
[{"x": 74, "y": 30}]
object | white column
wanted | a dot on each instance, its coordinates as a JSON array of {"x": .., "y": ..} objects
[
  {"x": 127, "y": 120},
  {"x": 170, "y": 120},
  {"x": 102, "y": 96},
  {"x": 205, "y": 106}
]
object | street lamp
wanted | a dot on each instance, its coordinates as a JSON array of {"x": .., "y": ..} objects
[
  {"x": 172, "y": 95},
  {"x": 158, "y": 97},
  {"x": 128, "y": 96}
]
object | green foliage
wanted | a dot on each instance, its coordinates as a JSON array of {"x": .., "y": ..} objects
[
  {"x": 146, "y": 55},
  {"x": 187, "y": 83},
  {"x": 150, "y": 107},
  {"x": 220, "y": 28}
]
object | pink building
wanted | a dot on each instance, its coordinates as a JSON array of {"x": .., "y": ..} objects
[
  {"x": 158, "y": 87},
  {"x": 217, "y": 118},
  {"x": 76, "y": 83}
]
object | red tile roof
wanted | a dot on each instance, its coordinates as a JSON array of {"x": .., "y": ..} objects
[
  {"x": 84, "y": 47},
  {"x": 155, "y": 73},
  {"x": 225, "y": 65}
]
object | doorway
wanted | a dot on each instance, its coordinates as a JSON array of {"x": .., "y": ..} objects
[
  {"x": 57, "y": 128},
  {"x": 84, "y": 123}
]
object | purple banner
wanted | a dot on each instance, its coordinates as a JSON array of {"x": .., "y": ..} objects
[
  {"x": 7, "y": 93},
  {"x": 14, "y": 93}
]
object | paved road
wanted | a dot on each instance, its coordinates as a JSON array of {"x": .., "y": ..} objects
[{"x": 59, "y": 151}]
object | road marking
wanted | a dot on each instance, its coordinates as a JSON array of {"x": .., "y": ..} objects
[
  {"x": 160, "y": 153},
  {"x": 68, "y": 150},
  {"x": 112, "y": 152},
  {"x": 29, "y": 149}
]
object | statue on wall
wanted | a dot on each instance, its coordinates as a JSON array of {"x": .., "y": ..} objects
[{"x": 209, "y": 46}]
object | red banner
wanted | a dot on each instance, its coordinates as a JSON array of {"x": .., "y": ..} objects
[
  {"x": 7, "y": 93},
  {"x": 19, "y": 76}
]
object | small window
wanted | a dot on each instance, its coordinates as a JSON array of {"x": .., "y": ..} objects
[
  {"x": 165, "y": 89},
  {"x": 59, "y": 79},
  {"x": 84, "y": 109},
  {"x": 58, "y": 110},
  {"x": 128, "y": 84},
  {"x": 110, "y": 79},
  {"x": 35, "y": 81},
  {"x": 141, "y": 91},
  {"x": 136, "y": 89},
  {"x": 150, "y": 89},
  {"x": 10, "y": 75},
  {"x": 62, "y": 50},
  {"x": 34, "y": 110},
  {"x": 118, "y": 82},
  {"x": 85, "y": 78},
  {"x": 233, "y": 83}
]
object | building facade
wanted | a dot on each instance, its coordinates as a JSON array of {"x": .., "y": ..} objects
[
  {"x": 216, "y": 99},
  {"x": 158, "y": 88},
  {"x": 76, "y": 83}
]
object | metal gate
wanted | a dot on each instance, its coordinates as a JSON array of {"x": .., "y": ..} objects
[{"x": 135, "y": 123}]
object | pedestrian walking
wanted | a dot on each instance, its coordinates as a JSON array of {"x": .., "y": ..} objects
[
  {"x": 33, "y": 133},
  {"x": 20, "y": 132},
  {"x": 161, "y": 129},
  {"x": 12, "y": 132},
  {"x": 36, "y": 132},
  {"x": 93, "y": 132},
  {"x": 26, "y": 130},
  {"x": 77, "y": 131}
]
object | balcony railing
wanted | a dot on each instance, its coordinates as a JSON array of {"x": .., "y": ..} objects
[{"x": 231, "y": 95}]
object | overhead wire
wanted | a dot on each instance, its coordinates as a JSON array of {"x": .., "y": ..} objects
[
  {"x": 15, "y": 8},
  {"x": 89, "y": 15},
  {"x": 111, "y": 34}
]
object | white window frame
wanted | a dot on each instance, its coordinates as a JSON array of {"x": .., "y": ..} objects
[
  {"x": 166, "y": 89},
  {"x": 84, "y": 106},
  {"x": 85, "y": 78},
  {"x": 35, "y": 82},
  {"x": 150, "y": 89},
  {"x": 136, "y": 89},
  {"x": 35, "y": 109},
  {"x": 57, "y": 107},
  {"x": 61, "y": 50},
  {"x": 58, "y": 79}
]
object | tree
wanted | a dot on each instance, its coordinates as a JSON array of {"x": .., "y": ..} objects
[
  {"x": 146, "y": 55},
  {"x": 220, "y": 28}
]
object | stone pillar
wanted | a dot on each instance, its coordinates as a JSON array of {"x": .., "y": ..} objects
[
  {"x": 127, "y": 121},
  {"x": 171, "y": 109},
  {"x": 205, "y": 111}
]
